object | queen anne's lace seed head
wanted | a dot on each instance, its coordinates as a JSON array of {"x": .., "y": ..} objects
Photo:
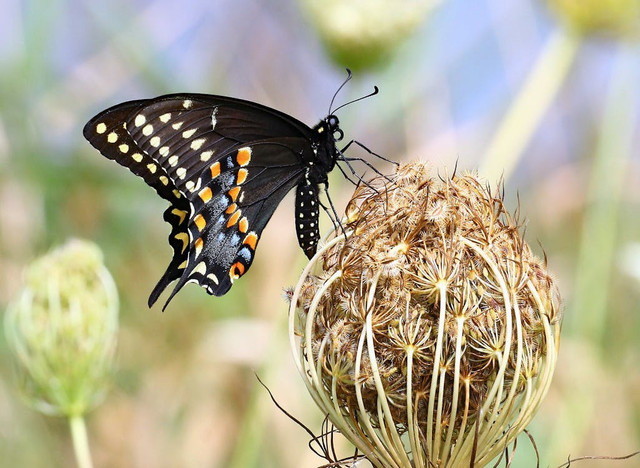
[{"x": 432, "y": 329}]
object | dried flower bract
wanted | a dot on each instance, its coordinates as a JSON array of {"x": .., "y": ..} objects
[{"x": 430, "y": 335}]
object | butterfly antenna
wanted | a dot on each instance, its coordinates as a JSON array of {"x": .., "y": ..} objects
[
  {"x": 375, "y": 91},
  {"x": 338, "y": 90}
]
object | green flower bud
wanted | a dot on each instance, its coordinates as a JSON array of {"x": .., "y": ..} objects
[
  {"x": 430, "y": 335},
  {"x": 360, "y": 34},
  {"x": 62, "y": 330},
  {"x": 613, "y": 18}
]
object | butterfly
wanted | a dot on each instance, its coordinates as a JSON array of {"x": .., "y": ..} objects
[{"x": 224, "y": 165}]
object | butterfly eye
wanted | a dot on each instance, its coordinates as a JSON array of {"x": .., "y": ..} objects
[{"x": 338, "y": 134}]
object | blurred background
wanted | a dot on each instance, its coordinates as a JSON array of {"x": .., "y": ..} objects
[{"x": 453, "y": 76}]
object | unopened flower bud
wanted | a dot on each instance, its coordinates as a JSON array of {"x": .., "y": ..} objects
[
  {"x": 62, "y": 330},
  {"x": 359, "y": 34},
  {"x": 612, "y": 18},
  {"x": 430, "y": 335}
]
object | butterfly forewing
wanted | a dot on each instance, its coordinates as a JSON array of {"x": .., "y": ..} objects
[{"x": 223, "y": 164}]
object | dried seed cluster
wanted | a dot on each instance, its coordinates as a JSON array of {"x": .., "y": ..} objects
[{"x": 432, "y": 329}]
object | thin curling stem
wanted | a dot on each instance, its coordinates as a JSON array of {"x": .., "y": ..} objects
[
  {"x": 80, "y": 442},
  {"x": 527, "y": 110}
]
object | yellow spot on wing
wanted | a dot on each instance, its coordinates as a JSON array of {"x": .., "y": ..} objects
[
  {"x": 155, "y": 141},
  {"x": 112, "y": 137},
  {"x": 124, "y": 148},
  {"x": 244, "y": 156},
  {"x": 101, "y": 128},
  {"x": 152, "y": 168},
  {"x": 147, "y": 130},
  {"x": 206, "y": 155},
  {"x": 164, "y": 180},
  {"x": 200, "y": 222},
  {"x": 137, "y": 157},
  {"x": 180, "y": 214},
  {"x": 184, "y": 237},
  {"x": 164, "y": 118},
  {"x": 177, "y": 125}
]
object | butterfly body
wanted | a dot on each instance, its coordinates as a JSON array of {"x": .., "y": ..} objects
[{"x": 224, "y": 165}]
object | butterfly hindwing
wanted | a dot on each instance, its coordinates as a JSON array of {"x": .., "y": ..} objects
[{"x": 238, "y": 197}]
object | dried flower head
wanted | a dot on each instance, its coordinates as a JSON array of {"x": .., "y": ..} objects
[
  {"x": 430, "y": 335},
  {"x": 62, "y": 330}
]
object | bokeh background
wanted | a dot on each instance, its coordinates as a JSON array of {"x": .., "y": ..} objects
[{"x": 185, "y": 393}]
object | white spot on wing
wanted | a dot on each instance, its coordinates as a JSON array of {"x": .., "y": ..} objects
[
  {"x": 206, "y": 155},
  {"x": 189, "y": 133},
  {"x": 214, "y": 121},
  {"x": 140, "y": 120},
  {"x": 155, "y": 141},
  {"x": 147, "y": 130},
  {"x": 187, "y": 103},
  {"x": 197, "y": 144},
  {"x": 164, "y": 118}
]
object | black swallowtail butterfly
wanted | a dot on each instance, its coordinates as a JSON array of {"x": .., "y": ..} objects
[{"x": 224, "y": 165}]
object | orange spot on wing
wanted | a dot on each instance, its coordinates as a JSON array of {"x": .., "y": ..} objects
[
  {"x": 231, "y": 208},
  {"x": 251, "y": 240},
  {"x": 206, "y": 194},
  {"x": 198, "y": 245},
  {"x": 236, "y": 271},
  {"x": 243, "y": 225},
  {"x": 233, "y": 193},
  {"x": 215, "y": 170},
  {"x": 242, "y": 176},
  {"x": 244, "y": 156},
  {"x": 234, "y": 218},
  {"x": 200, "y": 222}
]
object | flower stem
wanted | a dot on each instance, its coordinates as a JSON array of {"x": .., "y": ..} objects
[
  {"x": 609, "y": 168},
  {"x": 528, "y": 108},
  {"x": 80, "y": 441}
]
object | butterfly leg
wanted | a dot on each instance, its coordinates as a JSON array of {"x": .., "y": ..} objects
[
  {"x": 368, "y": 151},
  {"x": 335, "y": 219}
]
